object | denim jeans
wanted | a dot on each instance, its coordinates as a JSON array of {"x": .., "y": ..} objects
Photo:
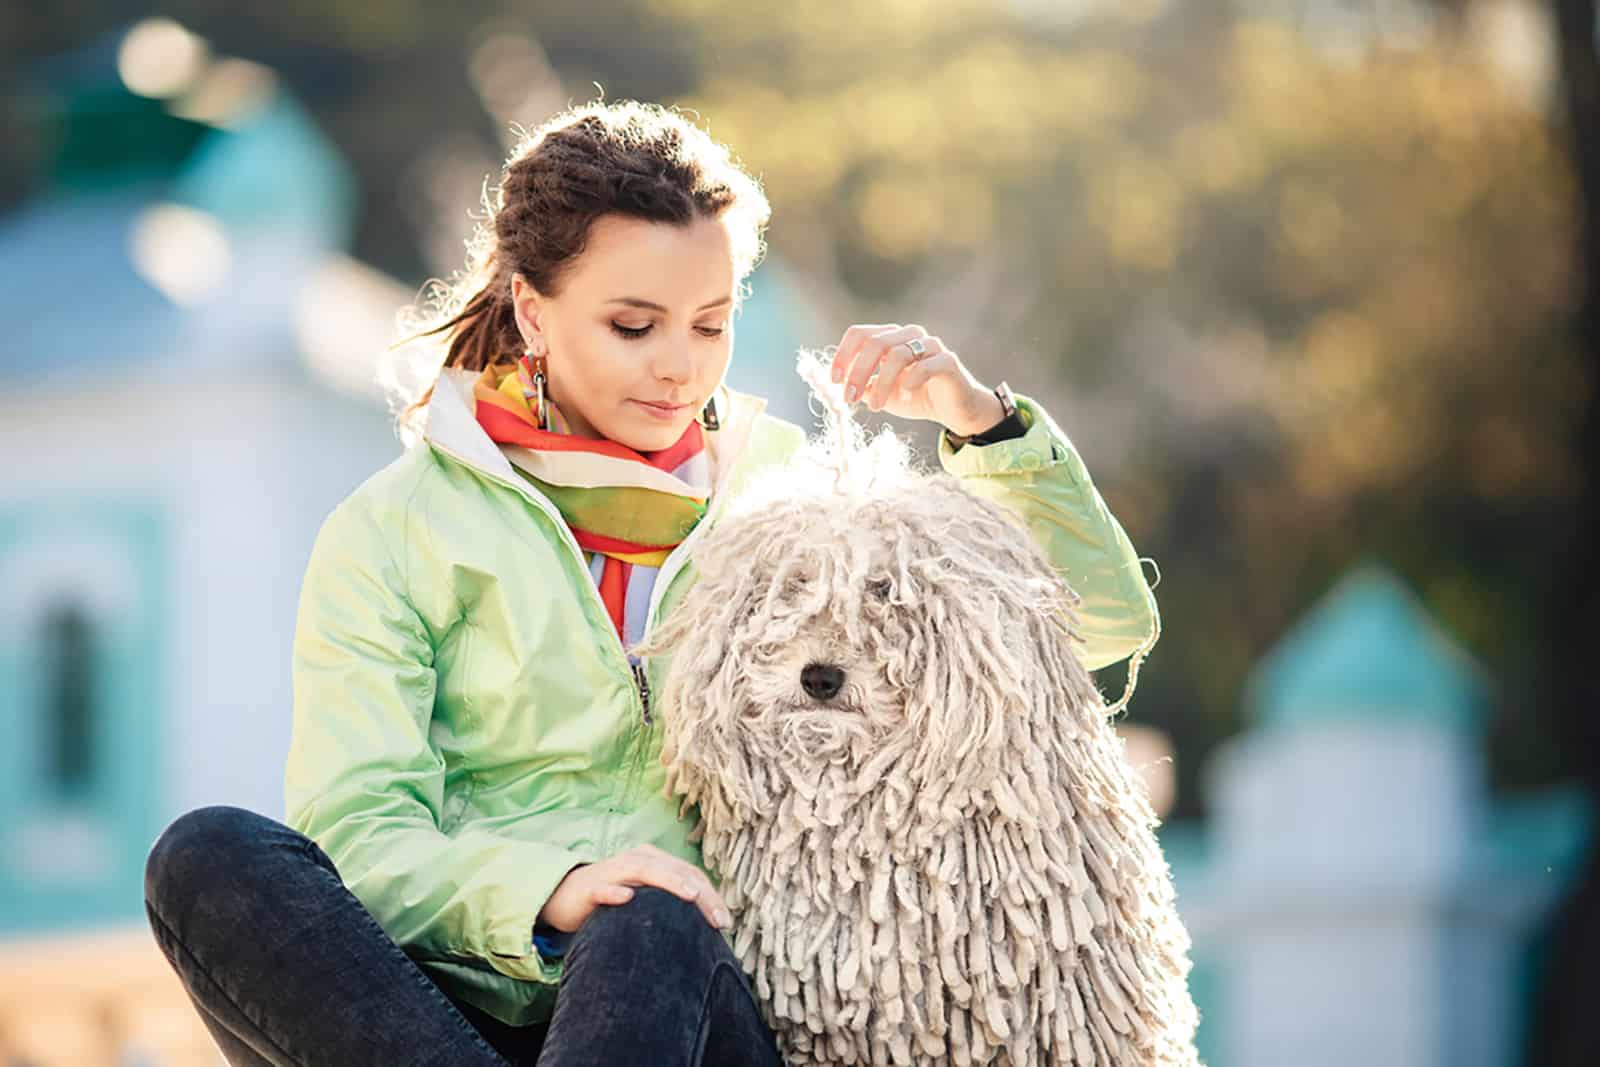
[{"x": 286, "y": 967}]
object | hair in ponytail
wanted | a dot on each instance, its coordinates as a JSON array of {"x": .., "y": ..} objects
[{"x": 630, "y": 158}]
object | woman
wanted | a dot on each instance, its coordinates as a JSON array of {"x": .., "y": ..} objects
[{"x": 475, "y": 808}]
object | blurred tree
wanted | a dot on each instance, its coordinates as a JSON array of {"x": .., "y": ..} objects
[{"x": 1295, "y": 303}]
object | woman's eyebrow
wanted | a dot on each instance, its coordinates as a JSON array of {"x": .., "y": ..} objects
[{"x": 633, "y": 301}]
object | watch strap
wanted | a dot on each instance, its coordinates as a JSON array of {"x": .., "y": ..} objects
[{"x": 1009, "y": 427}]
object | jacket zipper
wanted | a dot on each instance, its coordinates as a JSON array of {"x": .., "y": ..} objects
[{"x": 643, "y": 682}]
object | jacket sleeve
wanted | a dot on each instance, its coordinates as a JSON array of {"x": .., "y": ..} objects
[
  {"x": 365, "y": 780},
  {"x": 1041, "y": 478}
]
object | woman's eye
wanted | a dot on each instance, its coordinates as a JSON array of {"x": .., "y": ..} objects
[{"x": 640, "y": 331}]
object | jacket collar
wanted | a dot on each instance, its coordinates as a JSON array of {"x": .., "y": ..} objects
[{"x": 452, "y": 425}]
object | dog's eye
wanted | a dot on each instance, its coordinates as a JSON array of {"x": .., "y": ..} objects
[{"x": 880, "y": 588}]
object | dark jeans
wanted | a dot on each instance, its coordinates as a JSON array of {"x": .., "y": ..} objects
[{"x": 286, "y": 967}]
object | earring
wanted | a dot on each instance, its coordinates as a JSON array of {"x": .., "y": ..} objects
[
  {"x": 532, "y": 372},
  {"x": 708, "y": 415}
]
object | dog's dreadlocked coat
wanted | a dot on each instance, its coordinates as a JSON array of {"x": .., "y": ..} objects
[{"x": 922, "y": 820}]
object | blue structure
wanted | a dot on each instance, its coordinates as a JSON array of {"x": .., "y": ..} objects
[
  {"x": 90, "y": 666},
  {"x": 1368, "y": 649},
  {"x": 81, "y": 655},
  {"x": 1357, "y": 895}
]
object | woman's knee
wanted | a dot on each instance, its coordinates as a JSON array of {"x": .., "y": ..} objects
[
  {"x": 657, "y": 922},
  {"x": 207, "y": 851}
]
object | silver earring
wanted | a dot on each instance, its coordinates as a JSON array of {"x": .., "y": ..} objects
[{"x": 533, "y": 373}]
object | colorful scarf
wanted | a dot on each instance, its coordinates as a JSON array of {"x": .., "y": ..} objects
[{"x": 627, "y": 509}]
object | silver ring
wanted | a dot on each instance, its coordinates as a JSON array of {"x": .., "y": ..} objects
[{"x": 917, "y": 347}]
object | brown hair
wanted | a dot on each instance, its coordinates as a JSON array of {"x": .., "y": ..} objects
[{"x": 630, "y": 158}]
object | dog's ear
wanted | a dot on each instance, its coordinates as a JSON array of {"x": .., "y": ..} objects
[
  {"x": 695, "y": 649},
  {"x": 989, "y": 640},
  {"x": 975, "y": 680},
  {"x": 705, "y": 620}
]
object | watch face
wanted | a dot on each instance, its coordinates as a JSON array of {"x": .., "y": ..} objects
[{"x": 1003, "y": 391}]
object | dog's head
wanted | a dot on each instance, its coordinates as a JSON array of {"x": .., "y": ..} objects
[{"x": 902, "y": 632}]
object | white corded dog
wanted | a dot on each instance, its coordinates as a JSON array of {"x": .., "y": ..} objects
[{"x": 926, "y": 830}]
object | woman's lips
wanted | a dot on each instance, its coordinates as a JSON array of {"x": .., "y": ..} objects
[{"x": 661, "y": 411}]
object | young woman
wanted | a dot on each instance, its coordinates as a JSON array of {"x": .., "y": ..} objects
[{"x": 476, "y": 819}]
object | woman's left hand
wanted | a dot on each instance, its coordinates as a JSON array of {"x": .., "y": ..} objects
[{"x": 935, "y": 386}]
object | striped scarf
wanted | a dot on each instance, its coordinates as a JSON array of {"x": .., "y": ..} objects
[{"x": 627, "y": 509}]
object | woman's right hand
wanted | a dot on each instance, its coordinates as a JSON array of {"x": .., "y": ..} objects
[{"x": 611, "y": 881}]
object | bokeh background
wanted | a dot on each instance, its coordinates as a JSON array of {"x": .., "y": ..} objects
[{"x": 1311, "y": 284}]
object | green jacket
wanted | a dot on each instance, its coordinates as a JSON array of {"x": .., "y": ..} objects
[{"x": 467, "y": 725}]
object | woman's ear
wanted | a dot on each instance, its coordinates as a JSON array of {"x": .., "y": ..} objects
[{"x": 526, "y": 308}]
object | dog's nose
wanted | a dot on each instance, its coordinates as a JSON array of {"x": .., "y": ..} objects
[{"x": 821, "y": 681}]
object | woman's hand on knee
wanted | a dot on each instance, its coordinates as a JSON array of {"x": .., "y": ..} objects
[{"x": 611, "y": 881}]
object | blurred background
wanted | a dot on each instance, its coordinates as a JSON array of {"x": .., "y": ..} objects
[{"x": 1311, "y": 285}]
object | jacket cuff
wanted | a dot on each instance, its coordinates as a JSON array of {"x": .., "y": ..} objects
[
  {"x": 519, "y": 944},
  {"x": 1011, "y": 426},
  {"x": 549, "y": 942},
  {"x": 1042, "y": 446}
]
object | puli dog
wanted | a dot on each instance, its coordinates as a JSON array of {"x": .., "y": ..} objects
[{"x": 922, "y": 821}]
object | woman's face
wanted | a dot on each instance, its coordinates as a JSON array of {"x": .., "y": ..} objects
[{"x": 645, "y": 315}]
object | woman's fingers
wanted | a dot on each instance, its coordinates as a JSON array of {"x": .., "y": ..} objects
[
  {"x": 854, "y": 337},
  {"x": 897, "y": 369},
  {"x": 611, "y": 893},
  {"x": 650, "y": 866},
  {"x": 869, "y": 351}
]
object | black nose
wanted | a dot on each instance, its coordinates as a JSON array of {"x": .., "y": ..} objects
[{"x": 821, "y": 680}]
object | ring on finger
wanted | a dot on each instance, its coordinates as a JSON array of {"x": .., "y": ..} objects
[{"x": 919, "y": 348}]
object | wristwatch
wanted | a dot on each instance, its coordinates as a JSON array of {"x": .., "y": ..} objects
[{"x": 1010, "y": 426}]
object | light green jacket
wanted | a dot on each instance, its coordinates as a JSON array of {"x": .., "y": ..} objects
[{"x": 467, "y": 726}]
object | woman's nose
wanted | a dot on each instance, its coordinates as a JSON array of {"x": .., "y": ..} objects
[
  {"x": 674, "y": 365},
  {"x": 821, "y": 681}
]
